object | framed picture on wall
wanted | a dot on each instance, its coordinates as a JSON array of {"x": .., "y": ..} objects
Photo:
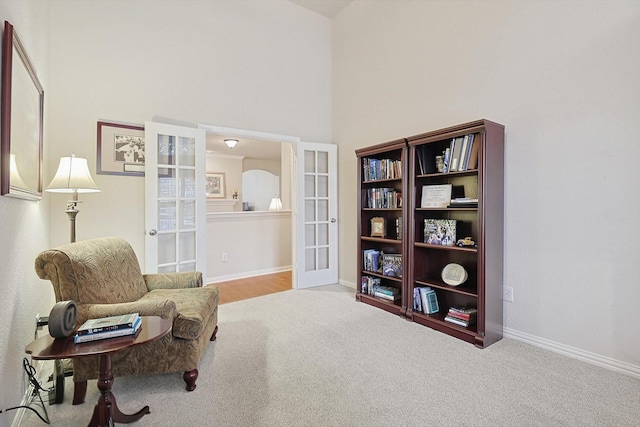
[
  {"x": 120, "y": 149},
  {"x": 215, "y": 185},
  {"x": 21, "y": 121}
]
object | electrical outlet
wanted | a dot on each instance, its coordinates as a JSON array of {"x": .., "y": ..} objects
[
  {"x": 225, "y": 257},
  {"x": 507, "y": 293}
]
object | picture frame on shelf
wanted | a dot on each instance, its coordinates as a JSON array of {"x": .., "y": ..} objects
[
  {"x": 121, "y": 149},
  {"x": 378, "y": 227},
  {"x": 22, "y": 121},
  {"x": 215, "y": 187},
  {"x": 436, "y": 196}
]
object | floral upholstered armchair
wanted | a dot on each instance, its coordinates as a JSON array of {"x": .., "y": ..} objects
[{"x": 103, "y": 277}]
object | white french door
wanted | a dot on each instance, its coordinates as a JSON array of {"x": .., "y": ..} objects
[
  {"x": 316, "y": 214},
  {"x": 175, "y": 200}
]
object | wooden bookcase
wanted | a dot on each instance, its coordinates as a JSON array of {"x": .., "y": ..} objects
[
  {"x": 393, "y": 240},
  {"x": 423, "y": 262}
]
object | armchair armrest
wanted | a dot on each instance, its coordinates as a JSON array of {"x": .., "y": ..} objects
[
  {"x": 165, "y": 309},
  {"x": 188, "y": 279}
]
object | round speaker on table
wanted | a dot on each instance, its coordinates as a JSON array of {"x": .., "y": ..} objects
[{"x": 62, "y": 319}]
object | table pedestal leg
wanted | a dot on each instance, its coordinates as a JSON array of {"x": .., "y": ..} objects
[{"x": 106, "y": 411}]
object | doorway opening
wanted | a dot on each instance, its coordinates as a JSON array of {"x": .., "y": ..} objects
[{"x": 243, "y": 241}]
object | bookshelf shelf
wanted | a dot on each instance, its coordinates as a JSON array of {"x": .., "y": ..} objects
[{"x": 482, "y": 178}]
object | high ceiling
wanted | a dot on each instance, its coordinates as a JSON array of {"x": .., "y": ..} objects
[
  {"x": 328, "y": 8},
  {"x": 270, "y": 150}
]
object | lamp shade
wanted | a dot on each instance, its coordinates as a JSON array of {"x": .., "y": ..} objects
[
  {"x": 276, "y": 204},
  {"x": 15, "y": 178},
  {"x": 72, "y": 177}
]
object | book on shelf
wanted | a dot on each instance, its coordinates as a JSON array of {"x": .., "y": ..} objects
[
  {"x": 473, "y": 156},
  {"x": 464, "y": 313},
  {"x": 417, "y": 297},
  {"x": 387, "y": 297},
  {"x": 378, "y": 169},
  {"x": 114, "y": 333},
  {"x": 372, "y": 260},
  {"x": 469, "y": 149},
  {"x": 463, "y": 202},
  {"x": 383, "y": 289},
  {"x": 392, "y": 265},
  {"x": 440, "y": 231},
  {"x": 399, "y": 228},
  {"x": 426, "y": 159},
  {"x": 456, "y": 321},
  {"x": 429, "y": 300},
  {"x": 463, "y": 153},
  {"x": 102, "y": 324},
  {"x": 382, "y": 198},
  {"x": 462, "y": 316},
  {"x": 436, "y": 196},
  {"x": 447, "y": 160},
  {"x": 368, "y": 283}
]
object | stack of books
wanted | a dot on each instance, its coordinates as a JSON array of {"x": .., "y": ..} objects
[
  {"x": 386, "y": 292},
  {"x": 463, "y": 316},
  {"x": 108, "y": 327}
]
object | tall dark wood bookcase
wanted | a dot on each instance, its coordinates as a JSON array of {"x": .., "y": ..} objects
[
  {"x": 393, "y": 240},
  {"x": 423, "y": 262}
]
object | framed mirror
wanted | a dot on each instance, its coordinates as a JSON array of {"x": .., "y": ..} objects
[{"x": 21, "y": 121}]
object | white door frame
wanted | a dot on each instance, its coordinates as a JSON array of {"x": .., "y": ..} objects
[{"x": 293, "y": 140}]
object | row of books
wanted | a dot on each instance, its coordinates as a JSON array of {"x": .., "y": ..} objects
[
  {"x": 382, "y": 198},
  {"x": 462, "y": 154},
  {"x": 372, "y": 286},
  {"x": 108, "y": 327},
  {"x": 425, "y": 300},
  {"x": 462, "y": 316},
  {"x": 377, "y": 261},
  {"x": 377, "y": 169}
]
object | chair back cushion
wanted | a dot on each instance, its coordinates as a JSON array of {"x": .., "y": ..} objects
[{"x": 97, "y": 271}]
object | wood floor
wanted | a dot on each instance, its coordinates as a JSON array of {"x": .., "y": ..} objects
[{"x": 236, "y": 290}]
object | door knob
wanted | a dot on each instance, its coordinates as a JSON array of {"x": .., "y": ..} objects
[
  {"x": 333, "y": 220},
  {"x": 153, "y": 232}
]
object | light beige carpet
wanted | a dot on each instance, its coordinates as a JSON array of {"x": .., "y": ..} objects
[{"x": 318, "y": 358}]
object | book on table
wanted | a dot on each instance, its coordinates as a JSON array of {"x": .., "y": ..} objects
[
  {"x": 102, "y": 324},
  {"x": 110, "y": 333}
]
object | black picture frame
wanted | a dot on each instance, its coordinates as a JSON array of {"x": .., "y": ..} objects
[
  {"x": 21, "y": 122},
  {"x": 110, "y": 158}
]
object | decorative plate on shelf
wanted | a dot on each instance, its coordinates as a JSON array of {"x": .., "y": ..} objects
[{"x": 454, "y": 274}]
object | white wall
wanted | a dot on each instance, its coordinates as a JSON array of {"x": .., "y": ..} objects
[
  {"x": 255, "y": 243},
  {"x": 563, "y": 78},
  {"x": 247, "y": 65},
  {"x": 23, "y": 227},
  {"x": 231, "y": 166}
]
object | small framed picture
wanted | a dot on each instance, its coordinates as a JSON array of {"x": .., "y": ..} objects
[
  {"x": 378, "y": 227},
  {"x": 215, "y": 185},
  {"x": 120, "y": 149}
]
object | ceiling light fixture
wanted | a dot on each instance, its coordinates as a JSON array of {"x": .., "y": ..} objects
[{"x": 231, "y": 142}]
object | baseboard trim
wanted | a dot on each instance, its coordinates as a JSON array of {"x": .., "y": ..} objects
[
  {"x": 246, "y": 274},
  {"x": 556, "y": 347},
  {"x": 576, "y": 353}
]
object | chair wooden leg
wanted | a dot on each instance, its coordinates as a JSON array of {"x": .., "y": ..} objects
[
  {"x": 213, "y": 335},
  {"x": 79, "y": 392},
  {"x": 190, "y": 378}
]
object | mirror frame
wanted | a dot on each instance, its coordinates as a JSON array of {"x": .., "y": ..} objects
[{"x": 17, "y": 98}]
